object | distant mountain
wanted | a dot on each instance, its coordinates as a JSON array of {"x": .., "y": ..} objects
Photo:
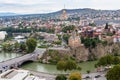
[
  {"x": 73, "y": 12},
  {"x": 8, "y": 14}
]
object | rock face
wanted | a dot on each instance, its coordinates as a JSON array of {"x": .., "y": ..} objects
[
  {"x": 83, "y": 54},
  {"x": 80, "y": 53}
]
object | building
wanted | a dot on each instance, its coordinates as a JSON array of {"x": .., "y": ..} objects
[
  {"x": 64, "y": 14},
  {"x": 74, "y": 41},
  {"x": 20, "y": 39},
  {"x": 14, "y": 74},
  {"x": 3, "y": 35}
]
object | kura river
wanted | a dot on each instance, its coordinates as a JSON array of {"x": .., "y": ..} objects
[
  {"x": 47, "y": 68},
  {"x": 6, "y": 56}
]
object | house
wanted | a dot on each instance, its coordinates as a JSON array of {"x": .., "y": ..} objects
[{"x": 116, "y": 38}]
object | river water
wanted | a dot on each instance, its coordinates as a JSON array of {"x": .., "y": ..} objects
[
  {"x": 47, "y": 68},
  {"x": 6, "y": 56}
]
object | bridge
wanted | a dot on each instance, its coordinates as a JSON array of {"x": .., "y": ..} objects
[{"x": 18, "y": 61}]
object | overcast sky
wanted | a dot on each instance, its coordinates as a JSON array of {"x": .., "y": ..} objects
[{"x": 46, "y": 6}]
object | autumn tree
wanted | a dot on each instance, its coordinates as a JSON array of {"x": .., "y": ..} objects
[{"x": 75, "y": 76}]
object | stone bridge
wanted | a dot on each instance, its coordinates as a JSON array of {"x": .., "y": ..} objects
[{"x": 18, "y": 61}]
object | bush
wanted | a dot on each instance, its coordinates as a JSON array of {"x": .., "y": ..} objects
[
  {"x": 106, "y": 60},
  {"x": 61, "y": 77}
]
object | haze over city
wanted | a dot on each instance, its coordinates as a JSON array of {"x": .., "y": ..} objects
[{"x": 47, "y": 6}]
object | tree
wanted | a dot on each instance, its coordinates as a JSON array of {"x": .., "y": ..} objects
[
  {"x": 57, "y": 42},
  {"x": 92, "y": 24},
  {"x": 106, "y": 60},
  {"x": 66, "y": 65},
  {"x": 113, "y": 73},
  {"x": 61, "y": 77},
  {"x": 79, "y": 68},
  {"x": 23, "y": 47},
  {"x": 61, "y": 65},
  {"x": 106, "y": 26},
  {"x": 68, "y": 28},
  {"x": 88, "y": 71},
  {"x": 90, "y": 42},
  {"x": 31, "y": 44},
  {"x": 75, "y": 76},
  {"x": 66, "y": 37},
  {"x": 116, "y": 60},
  {"x": 71, "y": 65},
  {"x": 7, "y": 47},
  {"x": 16, "y": 45}
]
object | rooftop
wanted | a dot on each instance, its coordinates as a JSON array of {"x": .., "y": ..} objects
[{"x": 14, "y": 74}]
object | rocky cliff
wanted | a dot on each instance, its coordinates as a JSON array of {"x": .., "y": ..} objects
[{"x": 84, "y": 54}]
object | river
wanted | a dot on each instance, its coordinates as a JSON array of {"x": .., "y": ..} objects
[
  {"x": 6, "y": 56},
  {"x": 47, "y": 68}
]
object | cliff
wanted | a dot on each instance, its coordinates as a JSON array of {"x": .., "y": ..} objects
[{"x": 84, "y": 54}]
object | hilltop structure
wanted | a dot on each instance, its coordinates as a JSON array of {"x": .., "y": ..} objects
[{"x": 64, "y": 14}]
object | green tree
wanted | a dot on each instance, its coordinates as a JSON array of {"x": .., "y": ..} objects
[
  {"x": 106, "y": 26},
  {"x": 88, "y": 71},
  {"x": 92, "y": 24},
  {"x": 16, "y": 45},
  {"x": 68, "y": 28},
  {"x": 7, "y": 47},
  {"x": 106, "y": 60},
  {"x": 61, "y": 65},
  {"x": 66, "y": 65},
  {"x": 61, "y": 77},
  {"x": 66, "y": 37},
  {"x": 31, "y": 44},
  {"x": 75, "y": 76},
  {"x": 113, "y": 73},
  {"x": 71, "y": 65},
  {"x": 79, "y": 68},
  {"x": 90, "y": 42},
  {"x": 23, "y": 47},
  {"x": 58, "y": 42},
  {"x": 116, "y": 60}
]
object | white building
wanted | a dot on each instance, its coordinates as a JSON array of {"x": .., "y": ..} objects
[
  {"x": 14, "y": 74},
  {"x": 3, "y": 35},
  {"x": 20, "y": 39}
]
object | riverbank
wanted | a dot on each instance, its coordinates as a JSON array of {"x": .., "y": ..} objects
[{"x": 49, "y": 76}]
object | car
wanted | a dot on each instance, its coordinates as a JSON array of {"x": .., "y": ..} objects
[
  {"x": 87, "y": 77},
  {"x": 97, "y": 76}
]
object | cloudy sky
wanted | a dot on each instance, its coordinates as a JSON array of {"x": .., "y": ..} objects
[{"x": 46, "y": 6}]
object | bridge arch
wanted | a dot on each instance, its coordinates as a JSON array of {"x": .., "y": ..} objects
[{"x": 25, "y": 62}]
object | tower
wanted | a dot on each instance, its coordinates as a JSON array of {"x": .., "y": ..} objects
[{"x": 64, "y": 14}]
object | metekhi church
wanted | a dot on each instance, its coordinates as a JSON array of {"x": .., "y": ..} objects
[{"x": 74, "y": 41}]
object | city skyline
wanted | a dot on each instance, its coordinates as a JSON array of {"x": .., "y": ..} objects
[{"x": 47, "y": 6}]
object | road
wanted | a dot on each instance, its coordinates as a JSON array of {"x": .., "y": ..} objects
[{"x": 48, "y": 76}]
